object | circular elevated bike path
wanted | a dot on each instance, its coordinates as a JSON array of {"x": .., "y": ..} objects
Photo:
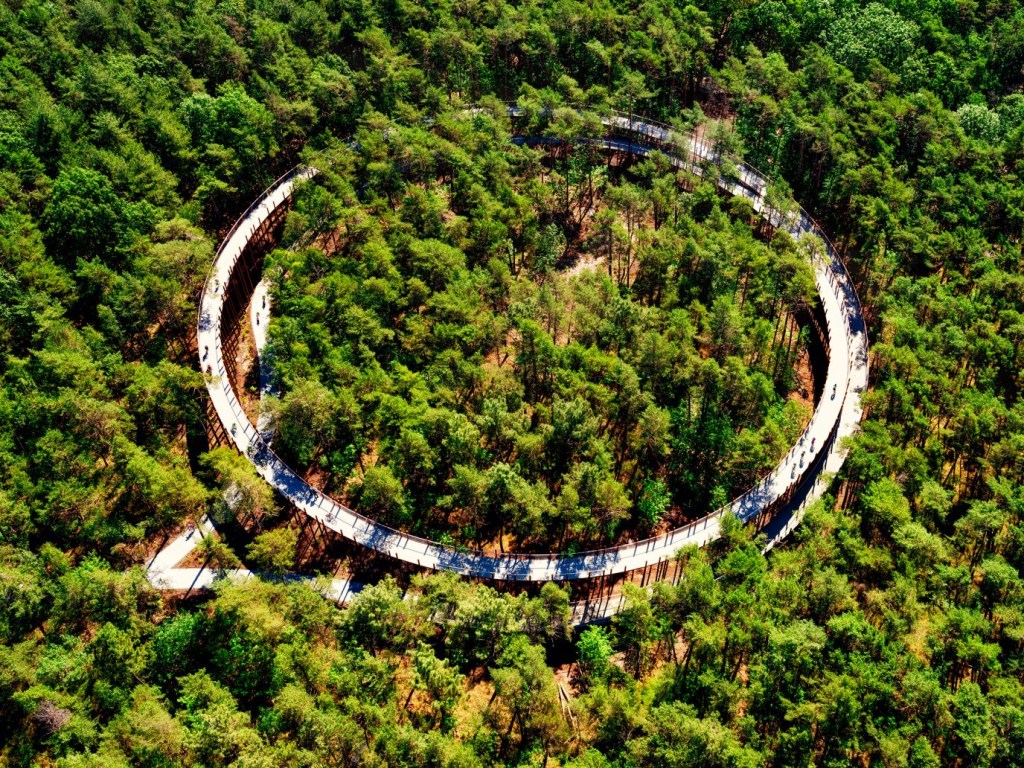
[{"x": 799, "y": 479}]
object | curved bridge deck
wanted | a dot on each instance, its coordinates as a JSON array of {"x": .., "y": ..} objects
[{"x": 777, "y": 501}]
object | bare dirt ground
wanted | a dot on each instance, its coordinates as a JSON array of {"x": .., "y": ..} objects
[
  {"x": 247, "y": 365},
  {"x": 804, "y": 391},
  {"x": 584, "y": 263}
]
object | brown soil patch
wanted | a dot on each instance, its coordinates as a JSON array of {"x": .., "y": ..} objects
[
  {"x": 804, "y": 391},
  {"x": 247, "y": 365},
  {"x": 503, "y": 354},
  {"x": 472, "y": 710},
  {"x": 744, "y": 677},
  {"x": 317, "y": 477}
]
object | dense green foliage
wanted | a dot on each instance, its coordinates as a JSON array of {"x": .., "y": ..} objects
[
  {"x": 472, "y": 396},
  {"x": 889, "y": 632}
]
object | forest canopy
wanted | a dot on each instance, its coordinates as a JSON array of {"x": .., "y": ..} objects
[{"x": 887, "y": 631}]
